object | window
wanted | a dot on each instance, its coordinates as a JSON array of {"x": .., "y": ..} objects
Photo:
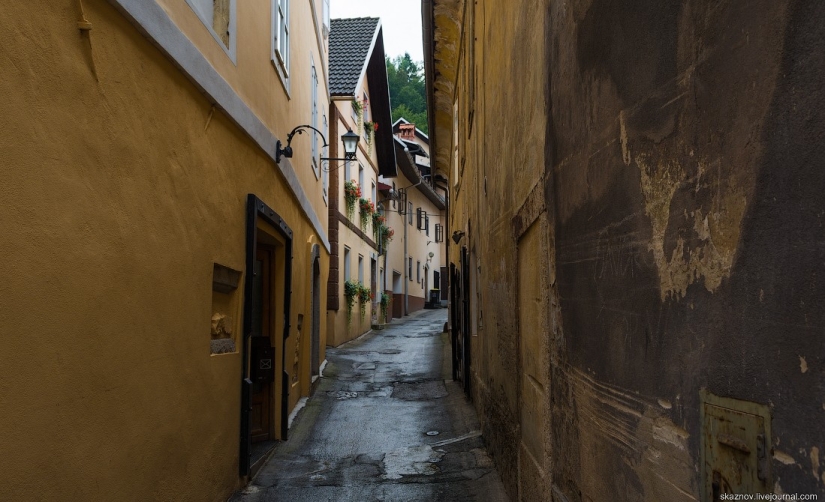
[
  {"x": 418, "y": 271},
  {"x": 380, "y": 279},
  {"x": 314, "y": 135},
  {"x": 409, "y": 268},
  {"x": 455, "y": 143},
  {"x": 325, "y": 16},
  {"x": 427, "y": 224},
  {"x": 439, "y": 232},
  {"x": 361, "y": 269},
  {"x": 346, "y": 264},
  {"x": 395, "y": 192},
  {"x": 280, "y": 37},
  {"x": 219, "y": 18},
  {"x": 361, "y": 178},
  {"x": 374, "y": 193},
  {"x": 419, "y": 218},
  {"x": 347, "y": 173},
  {"x": 409, "y": 212},
  {"x": 325, "y": 153}
]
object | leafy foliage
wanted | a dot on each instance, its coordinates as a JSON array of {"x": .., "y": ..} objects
[
  {"x": 407, "y": 90},
  {"x": 386, "y": 300},
  {"x": 364, "y": 296},
  {"x": 352, "y": 192},
  {"x": 351, "y": 290}
]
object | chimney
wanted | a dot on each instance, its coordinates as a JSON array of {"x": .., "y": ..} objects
[{"x": 406, "y": 131}]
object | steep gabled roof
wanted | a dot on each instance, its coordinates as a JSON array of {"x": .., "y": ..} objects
[
  {"x": 356, "y": 50},
  {"x": 350, "y": 44},
  {"x": 408, "y": 167}
]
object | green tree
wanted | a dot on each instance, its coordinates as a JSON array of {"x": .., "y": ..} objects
[{"x": 407, "y": 90}]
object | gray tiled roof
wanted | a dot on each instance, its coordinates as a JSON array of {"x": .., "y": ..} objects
[{"x": 349, "y": 45}]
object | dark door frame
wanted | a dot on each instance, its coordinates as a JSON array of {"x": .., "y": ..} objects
[
  {"x": 465, "y": 322},
  {"x": 315, "y": 287},
  {"x": 255, "y": 209}
]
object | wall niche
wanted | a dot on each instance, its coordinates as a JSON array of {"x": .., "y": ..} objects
[{"x": 224, "y": 307}]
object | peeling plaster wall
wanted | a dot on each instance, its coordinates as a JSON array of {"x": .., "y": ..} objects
[{"x": 676, "y": 150}]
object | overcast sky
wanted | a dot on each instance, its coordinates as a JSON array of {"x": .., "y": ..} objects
[{"x": 401, "y": 20}]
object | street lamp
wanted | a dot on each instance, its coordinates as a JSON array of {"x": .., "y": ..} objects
[{"x": 350, "y": 140}]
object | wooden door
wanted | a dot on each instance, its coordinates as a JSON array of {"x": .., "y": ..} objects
[{"x": 261, "y": 353}]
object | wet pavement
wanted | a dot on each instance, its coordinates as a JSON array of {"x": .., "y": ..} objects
[{"x": 385, "y": 424}]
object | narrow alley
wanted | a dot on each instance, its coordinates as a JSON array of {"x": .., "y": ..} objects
[{"x": 385, "y": 423}]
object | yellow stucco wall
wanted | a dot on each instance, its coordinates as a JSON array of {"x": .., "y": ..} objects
[
  {"x": 256, "y": 81},
  {"x": 119, "y": 196},
  {"x": 340, "y": 328}
]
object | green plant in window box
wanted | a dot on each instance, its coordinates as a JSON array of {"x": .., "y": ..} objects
[
  {"x": 367, "y": 210},
  {"x": 352, "y": 192},
  {"x": 386, "y": 301},
  {"x": 378, "y": 222},
  {"x": 351, "y": 290},
  {"x": 364, "y": 295},
  {"x": 359, "y": 112}
]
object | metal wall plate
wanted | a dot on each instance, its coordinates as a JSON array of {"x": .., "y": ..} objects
[{"x": 735, "y": 449}]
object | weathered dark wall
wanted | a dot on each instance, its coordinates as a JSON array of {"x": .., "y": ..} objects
[
  {"x": 687, "y": 162},
  {"x": 675, "y": 151}
]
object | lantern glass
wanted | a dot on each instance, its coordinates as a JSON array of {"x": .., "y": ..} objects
[{"x": 350, "y": 140}]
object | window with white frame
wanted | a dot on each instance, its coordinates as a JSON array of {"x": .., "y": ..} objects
[
  {"x": 325, "y": 153},
  {"x": 365, "y": 110},
  {"x": 219, "y": 18},
  {"x": 361, "y": 178},
  {"x": 374, "y": 193},
  {"x": 346, "y": 264},
  {"x": 280, "y": 37},
  {"x": 325, "y": 16},
  {"x": 314, "y": 121}
]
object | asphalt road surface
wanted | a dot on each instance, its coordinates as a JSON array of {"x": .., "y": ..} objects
[{"x": 385, "y": 423}]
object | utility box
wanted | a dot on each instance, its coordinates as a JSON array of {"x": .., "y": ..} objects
[{"x": 736, "y": 444}]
